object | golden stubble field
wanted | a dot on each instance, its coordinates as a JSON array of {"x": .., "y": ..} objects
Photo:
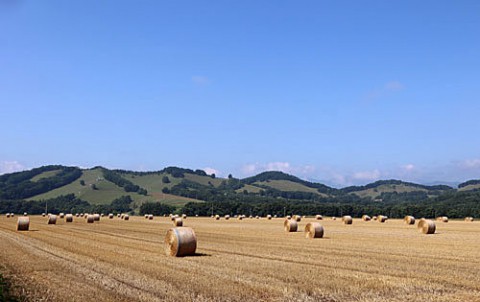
[{"x": 249, "y": 260}]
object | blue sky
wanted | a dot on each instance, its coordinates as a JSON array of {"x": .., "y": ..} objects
[{"x": 343, "y": 92}]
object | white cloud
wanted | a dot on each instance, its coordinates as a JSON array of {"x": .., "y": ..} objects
[
  {"x": 10, "y": 167},
  {"x": 200, "y": 80},
  {"x": 367, "y": 175},
  {"x": 471, "y": 163},
  {"x": 408, "y": 167},
  {"x": 211, "y": 171},
  {"x": 286, "y": 167}
]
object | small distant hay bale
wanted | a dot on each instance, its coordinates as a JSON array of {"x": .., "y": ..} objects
[
  {"x": 90, "y": 219},
  {"x": 409, "y": 219},
  {"x": 426, "y": 226},
  {"x": 290, "y": 225},
  {"x": 318, "y": 217},
  {"x": 52, "y": 219},
  {"x": 119, "y": 215},
  {"x": 288, "y": 217},
  {"x": 347, "y": 219},
  {"x": 180, "y": 241},
  {"x": 298, "y": 218},
  {"x": 61, "y": 215},
  {"x": 25, "y": 214},
  {"x": 382, "y": 218},
  {"x": 178, "y": 222},
  {"x": 217, "y": 217},
  {"x": 269, "y": 217},
  {"x": 172, "y": 217},
  {"x": 442, "y": 218},
  {"x": 150, "y": 217},
  {"x": 102, "y": 215},
  {"x": 184, "y": 216},
  {"x": 257, "y": 217},
  {"x": 251, "y": 217},
  {"x": 366, "y": 218},
  {"x": 314, "y": 230},
  {"x": 196, "y": 215},
  {"x": 146, "y": 216},
  {"x": 69, "y": 218},
  {"x": 12, "y": 214},
  {"x": 274, "y": 216},
  {"x": 334, "y": 218},
  {"x": 227, "y": 217},
  {"x": 7, "y": 215},
  {"x": 23, "y": 223},
  {"x": 43, "y": 215},
  {"x": 126, "y": 217},
  {"x": 110, "y": 216},
  {"x": 240, "y": 217},
  {"x": 77, "y": 215},
  {"x": 96, "y": 217},
  {"x": 122, "y": 216},
  {"x": 469, "y": 219},
  {"x": 81, "y": 214}
]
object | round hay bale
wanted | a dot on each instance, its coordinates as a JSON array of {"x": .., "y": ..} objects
[
  {"x": 227, "y": 217},
  {"x": 334, "y": 218},
  {"x": 442, "y": 219},
  {"x": 427, "y": 227},
  {"x": 290, "y": 225},
  {"x": 196, "y": 215},
  {"x": 52, "y": 219},
  {"x": 126, "y": 217},
  {"x": 102, "y": 215},
  {"x": 184, "y": 216},
  {"x": 96, "y": 217},
  {"x": 119, "y": 215},
  {"x": 7, "y": 215},
  {"x": 366, "y": 218},
  {"x": 69, "y": 218},
  {"x": 298, "y": 218},
  {"x": 43, "y": 215},
  {"x": 23, "y": 223},
  {"x": 318, "y": 217},
  {"x": 257, "y": 217},
  {"x": 77, "y": 215},
  {"x": 172, "y": 217},
  {"x": 122, "y": 216},
  {"x": 146, "y": 216},
  {"x": 178, "y": 222},
  {"x": 288, "y": 217},
  {"x": 269, "y": 217},
  {"x": 409, "y": 219},
  {"x": 110, "y": 216},
  {"x": 275, "y": 216},
  {"x": 469, "y": 219},
  {"x": 61, "y": 215},
  {"x": 313, "y": 230},
  {"x": 382, "y": 218},
  {"x": 421, "y": 222},
  {"x": 90, "y": 219},
  {"x": 81, "y": 214},
  {"x": 217, "y": 217},
  {"x": 180, "y": 242},
  {"x": 150, "y": 217},
  {"x": 12, "y": 214},
  {"x": 347, "y": 219},
  {"x": 25, "y": 214},
  {"x": 240, "y": 217}
]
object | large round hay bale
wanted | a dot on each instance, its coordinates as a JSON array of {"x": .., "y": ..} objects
[
  {"x": 427, "y": 226},
  {"x": 52, "y": 219},
  {"x": 409, "y": 219},
  {"x": 23, "y": 223},
  {"x": 96, "y": 217},
  {"x": 61, "y": 215},
  {"x": 69, "y": 218},
  {"x": 382, "y": 218},
  {"x": 347, "y": 219},
  {"x": 126, "y": 217},
  {"x": 269, "y": 217},
  {"x": 110, "y": 216},
  {"x": 290, "y": 225},
  {"x": 150, "y": 217},
  {"x": 180, "y": 241},
  {"x": 366, "y": 218},
  {"x": 314, "y": 230},
  {"x": 421, "y": 222},
  {"x": 90, "y": 219},
  {"x": 178, "y": 222},
  {"x": 318, "y": 217},
  {"x": 442, "y": 218},
  {"x": 227, "y": 217},
  {"x": 469, "y": 219}
]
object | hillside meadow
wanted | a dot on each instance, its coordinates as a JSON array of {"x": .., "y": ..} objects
[{"x": 249, "y": 260}]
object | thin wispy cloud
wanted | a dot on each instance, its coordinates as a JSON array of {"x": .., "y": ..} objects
[
  {"x": 200, "y": 80},
  {"x": 387, "y": 89}
]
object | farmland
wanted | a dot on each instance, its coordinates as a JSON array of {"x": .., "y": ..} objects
[{"x": 249, "y": 260}]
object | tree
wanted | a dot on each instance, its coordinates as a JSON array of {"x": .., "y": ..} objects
[
  {"x": 93, "y": 186},
  {"x": 82, "y": 182},
  {"x": 165, "y": 179},
  {"x": 230, "y": 176},
  {"x": 166, "y": 190},
  {"x": 213, "y": 175}
]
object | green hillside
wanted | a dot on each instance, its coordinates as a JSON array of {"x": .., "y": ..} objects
[{"x": 287, "y": 185}]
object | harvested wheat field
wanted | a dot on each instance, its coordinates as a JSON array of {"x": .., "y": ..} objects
[{"x": 242, "y": 260}]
